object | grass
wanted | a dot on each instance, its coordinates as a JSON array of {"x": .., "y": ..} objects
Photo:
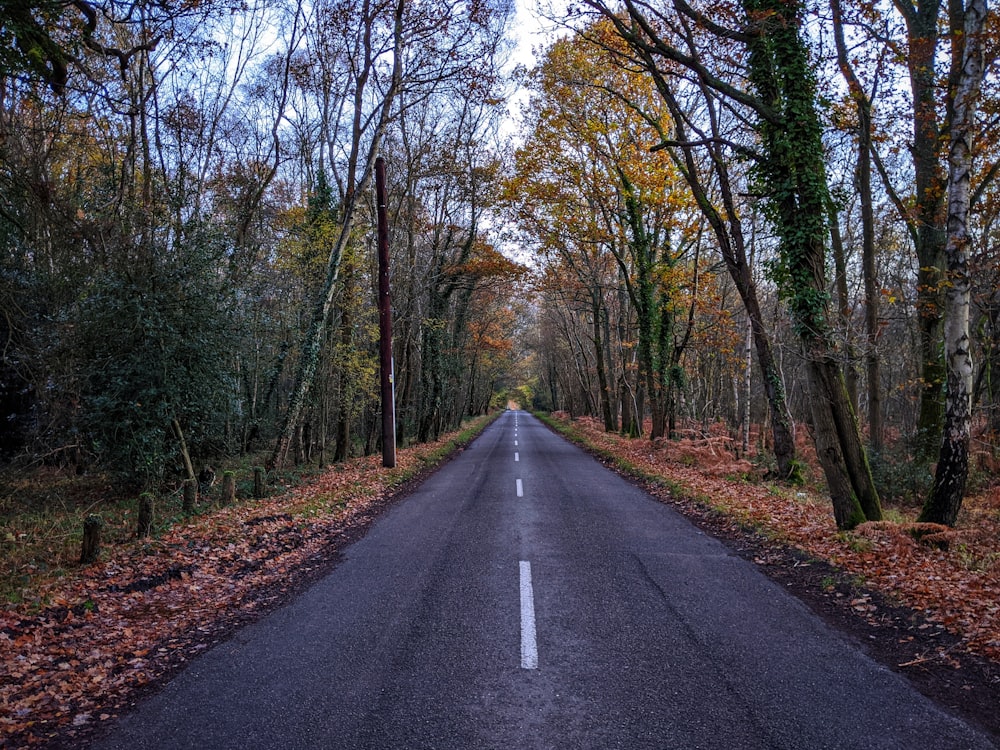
[{"x": 42, "y": 512}]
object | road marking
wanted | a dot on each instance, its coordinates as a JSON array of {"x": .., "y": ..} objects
[
  {"x": 517, "y": 456},
  {"x": 529, "y": 646},
  {"x": 515, "y": 442},
  {"x": 520, "y": 489}
]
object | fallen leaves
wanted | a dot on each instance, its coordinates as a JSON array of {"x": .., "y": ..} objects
[
  {"x": 950, "y": 575},
  {"x": 123, "y": 622},
  {"x": 120, "y": 624}
]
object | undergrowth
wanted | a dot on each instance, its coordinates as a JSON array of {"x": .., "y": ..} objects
[{"x": 42, "y": 511}]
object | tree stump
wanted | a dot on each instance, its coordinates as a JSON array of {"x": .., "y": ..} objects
[
  {"x": 228, "y": 488},
  {"x": 258, "y": 482},
  {"x": 92, "y": 526},
  {"x": 145, "y": 521},
  {"x": 190, "y": 494}
]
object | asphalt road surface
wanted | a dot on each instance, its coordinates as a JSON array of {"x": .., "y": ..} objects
[{"x": 525, "y": 597}]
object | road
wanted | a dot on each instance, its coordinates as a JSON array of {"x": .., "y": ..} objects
[{"x": 526, "y": 597}]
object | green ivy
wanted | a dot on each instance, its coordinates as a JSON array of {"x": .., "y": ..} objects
[{"x": 791, "y": 175}]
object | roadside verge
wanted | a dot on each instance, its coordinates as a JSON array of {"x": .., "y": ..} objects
[
  {"x": 928, "y": 613},
  {"x": 111, "y": 631}
]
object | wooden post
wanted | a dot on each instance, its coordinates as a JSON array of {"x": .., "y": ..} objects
[
  {"x": 385, "y": 323},
  {"x": 258, "y": 482},
  {"x": 190, "y": 494},
  {"x": 92, "y": 526},
  {"x": 145, "y": 520},
  {"x": 228, "y": 487}
]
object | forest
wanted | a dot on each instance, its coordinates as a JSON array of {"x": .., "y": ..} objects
[
  {"x": 748, "y": 219},
  {"x": 188, "y": 229}
]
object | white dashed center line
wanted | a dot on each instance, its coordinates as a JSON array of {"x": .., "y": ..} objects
[
  {"x": 520, "y": 489},
  {"x": 529, "y": 646}
]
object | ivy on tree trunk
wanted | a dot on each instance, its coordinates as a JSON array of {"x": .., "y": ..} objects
[{"x": 792, "y": 175}]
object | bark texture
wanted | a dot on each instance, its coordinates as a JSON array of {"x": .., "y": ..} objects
[
  {"x": 793, "y": 174},
  {"x": 953, "y": 460}
]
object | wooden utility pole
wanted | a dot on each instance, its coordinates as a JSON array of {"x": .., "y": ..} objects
[{"x": 385, "y": 323}]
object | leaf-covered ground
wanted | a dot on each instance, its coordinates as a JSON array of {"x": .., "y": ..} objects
[
  {"x": 957, "y": 586},
  {"x": 929, "y": 609},
  {"x": 108, "y": 631}
]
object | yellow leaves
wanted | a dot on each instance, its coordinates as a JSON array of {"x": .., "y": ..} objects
[
  {"x": 889, "y": 297},
  {"x": 586, "y": 105}
]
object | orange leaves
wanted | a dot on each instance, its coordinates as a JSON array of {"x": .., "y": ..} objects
[
  {"x": 487, "y": 264},
  {"x": 955, "y": 587},
  {"x": 124, "y": 622}
]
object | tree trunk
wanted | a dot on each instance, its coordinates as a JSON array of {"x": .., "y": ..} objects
[
  {"x": 608, "y": 360},
  {"x": 190, "y": 494},
  {"x": 553, "y": 386},
  {"x": 666, "y": 360},
  {"x": 991, "y": 369},
  {"x": 630, "y": 425},
  {"x": 642, "y": 293},
  {"x": 306, "y": 442},
  {"x": 145, "y": 515},
  {"x": 829, "y": 395},
  {"x": 953, "y": 461},
  {"x": 432, "y": 367},
  {"x": 930, "y": 416},
  {"x": 792, "y": 167},
  {"x": 843, "y": 306},
  {"x": 863, "y": 182},
  {"x": 602, "y": 375},
  {"x": 344, "y": 415},
  {"x": 926, "y": 217},
  {"x": 747, "y": 390},
  {"x": 188, "y": 466},
  {"x": 826, "y": 382},
  {"x": 872, "y": 288}
]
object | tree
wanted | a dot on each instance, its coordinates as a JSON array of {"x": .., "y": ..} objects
[
  {"x": 380, "y": 32},
  {"x": 385, "y": 58},
  {"x": 695, "y": 132},
  {"x": 945, "y": 500},
  {"x": 793, "y": 175},
  {"x": 863, "y": 172},
  {"x": 588, "y": 186},
  {"x": 792, "y": 179},
  {"x": 45, "y": 39},
  {"x": 185, "y": 221},
  {"x": 153, "y": 343},
  {"x": 132, "y": 305}
]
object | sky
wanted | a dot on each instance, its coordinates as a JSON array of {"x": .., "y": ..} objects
[
  {"x": 528, "y": 30},
  {"x": 531, "y": 32}
]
